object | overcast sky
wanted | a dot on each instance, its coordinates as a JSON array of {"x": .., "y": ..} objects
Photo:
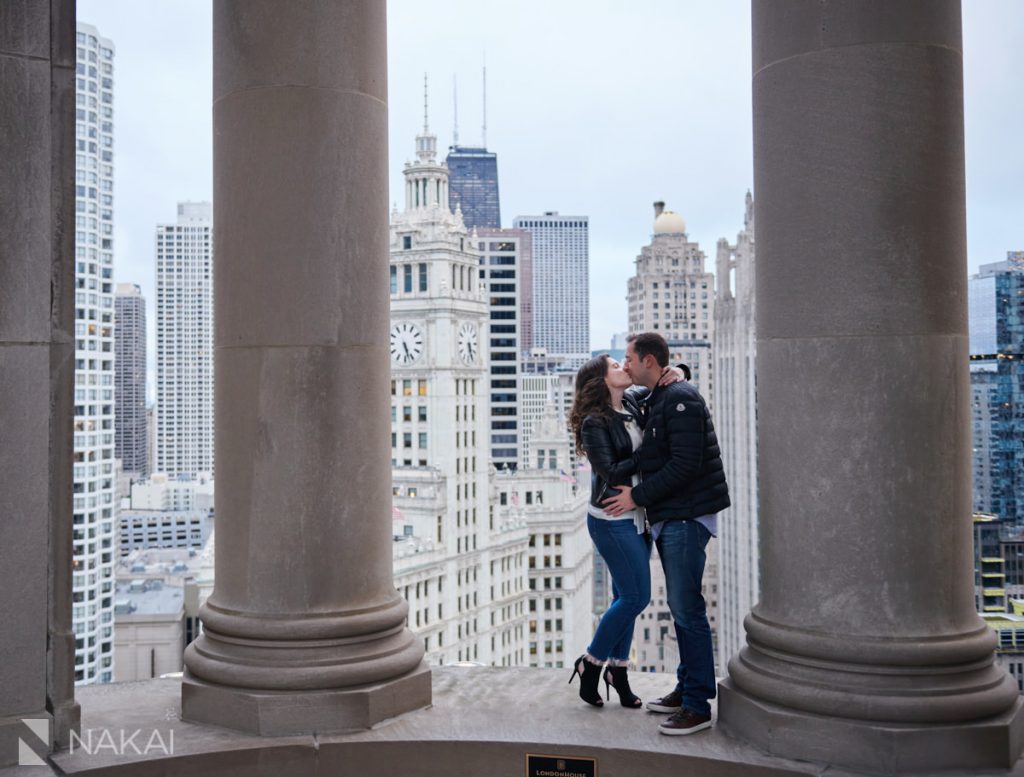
[{"x": 594, "y": 108}]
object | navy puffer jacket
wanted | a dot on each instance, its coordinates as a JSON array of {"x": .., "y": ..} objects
[{"x": 680, "y": 462}]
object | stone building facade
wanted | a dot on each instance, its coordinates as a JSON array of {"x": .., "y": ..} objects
[
  {"x": 671, "y": 293},
  {"x": 440, "y": 436},
  {"x": 734, "y": 354}
]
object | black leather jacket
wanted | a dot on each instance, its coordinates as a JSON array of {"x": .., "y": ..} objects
[{"x": 610, "y": 451}]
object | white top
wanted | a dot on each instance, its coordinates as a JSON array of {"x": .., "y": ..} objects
[{"x": 639, "y": 515}]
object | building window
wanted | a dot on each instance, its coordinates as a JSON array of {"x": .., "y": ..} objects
[
  {"x": 407, "y": 279},
  {"x": 406, "y": 242},
  {"x": 394, "y": 279},
  {"x": 423, "y": 277}
]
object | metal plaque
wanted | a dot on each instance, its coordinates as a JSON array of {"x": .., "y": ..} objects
[{"x": 560, "y": 766}]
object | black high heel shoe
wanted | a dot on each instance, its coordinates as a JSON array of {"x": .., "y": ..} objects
[
  {"x": 590, "y": 676},
  {"x": 620, "y": 681}
]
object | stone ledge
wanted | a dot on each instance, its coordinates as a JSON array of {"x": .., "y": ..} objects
[{"x": 483, "y": 721}]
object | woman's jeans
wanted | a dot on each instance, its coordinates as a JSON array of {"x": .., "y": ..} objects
[
  {"x": 681, "y": 548},
  {"x": 627, "y": 555}
]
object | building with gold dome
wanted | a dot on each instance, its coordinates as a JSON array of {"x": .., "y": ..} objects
[{"x": 672, "y": 294}]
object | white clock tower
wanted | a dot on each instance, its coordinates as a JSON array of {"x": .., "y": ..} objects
[{"x": 439, "y": 415}]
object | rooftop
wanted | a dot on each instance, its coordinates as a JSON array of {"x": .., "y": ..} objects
[
  {"x": 169, "y": 562},
  {"x": 147, "y": 597},
  {"x": 514, "y": 712}
]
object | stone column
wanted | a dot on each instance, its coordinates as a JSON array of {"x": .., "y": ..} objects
[
  {"x": 865, "y": 649},
  {"x": 37, "y": 361},
  {"x": 304, "y": 631},
  {"x": 37, "y": 196}
]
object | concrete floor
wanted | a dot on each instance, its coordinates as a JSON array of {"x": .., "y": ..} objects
[{"x": 484, "y": 721}]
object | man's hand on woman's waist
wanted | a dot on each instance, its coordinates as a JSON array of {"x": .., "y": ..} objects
[{"x": 622, "y": 503}]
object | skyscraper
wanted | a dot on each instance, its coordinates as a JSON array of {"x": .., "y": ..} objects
[
  {"x": 473, "y": 186},
  {"x": 440, "y": 431},
  {"x": 505, "y": 262},
  {"x": 996, "y": 304},
  {"x": 672, "y": 294},
  {"x": 94, "y": 487},
  {"x": 561, "y": 290},
  {"x": 130, "y": 432},
  {"x": 735, "y": 399},
  {"x": 184, "y": 342}
]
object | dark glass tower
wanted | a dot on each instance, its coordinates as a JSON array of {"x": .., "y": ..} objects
[
  {"x": 473, "y": 185},
  {"x": 996, "y": 297},
  {"x": 130, "y": 427}
]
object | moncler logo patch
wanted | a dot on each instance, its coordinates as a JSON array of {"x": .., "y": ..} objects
[{"x": 680, "y": 407}]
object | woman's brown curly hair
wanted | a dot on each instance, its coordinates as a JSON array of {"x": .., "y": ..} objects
[{"x": 591, "y": 396}]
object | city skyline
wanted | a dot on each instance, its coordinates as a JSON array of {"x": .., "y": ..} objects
[{"x": 608, "y": 161}]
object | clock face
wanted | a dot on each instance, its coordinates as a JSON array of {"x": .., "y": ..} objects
[
  {"x": 468, "y": 347},
  {"x": 406, "y": 343}
]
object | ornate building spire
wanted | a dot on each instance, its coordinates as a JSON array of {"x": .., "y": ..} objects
[
  {"x": 426, "y": 179},
  {"x": 426, "y": 143}
]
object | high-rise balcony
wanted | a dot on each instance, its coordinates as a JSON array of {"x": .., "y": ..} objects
[{"x": 865, "y": 653}]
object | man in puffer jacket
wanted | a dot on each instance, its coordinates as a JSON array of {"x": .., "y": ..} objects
[{"x": 682, "y": 488}]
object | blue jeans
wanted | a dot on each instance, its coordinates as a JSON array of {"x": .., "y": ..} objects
[
  {"x": 681, "y": 547},
  {"x": 628, "y": 556}
]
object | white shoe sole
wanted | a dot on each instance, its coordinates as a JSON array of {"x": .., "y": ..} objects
[
  {"x": 661, "y": 708},
  {"x": 674, "y": 732}
]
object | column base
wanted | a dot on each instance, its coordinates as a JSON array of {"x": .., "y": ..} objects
[
  {"x": 67, "y": 717},
  {"x": 284, "y": 713},
  {"x": 884, "y": 748}
]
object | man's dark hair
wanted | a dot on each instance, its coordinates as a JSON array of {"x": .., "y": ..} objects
[{"x": 650, "y": 344}]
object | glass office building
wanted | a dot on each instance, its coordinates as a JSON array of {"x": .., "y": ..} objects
[
  {"x": 561, "y": 289},
  {"x": 996, "y": 299},
  {"x": 473, "y": 186}
]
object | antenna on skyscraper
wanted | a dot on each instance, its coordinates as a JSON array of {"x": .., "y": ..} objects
[
  {"x": 426, "y": 125},
  {"x": 485, "y": 101},
  {"x": 455, "y": 108}
]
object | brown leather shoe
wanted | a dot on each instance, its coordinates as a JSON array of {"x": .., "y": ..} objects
[
  {"x": 685, "y": 722},
  {"x": 670, "y": 702}
]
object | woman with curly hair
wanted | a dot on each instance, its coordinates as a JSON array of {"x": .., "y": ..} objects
[{"x": 605, "y": 422}]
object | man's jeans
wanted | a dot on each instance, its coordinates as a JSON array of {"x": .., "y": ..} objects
[
  {"x": 628, "y": 556},
  {"x": 681, "y": 548}
]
